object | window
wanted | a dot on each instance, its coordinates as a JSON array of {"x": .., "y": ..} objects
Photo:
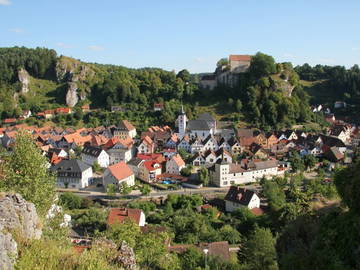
[
  {"x": 232, "y": 182},
  {"x": 225, "y": 183}
]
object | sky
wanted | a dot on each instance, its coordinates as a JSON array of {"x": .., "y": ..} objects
[{"x": 192, "y": 35}]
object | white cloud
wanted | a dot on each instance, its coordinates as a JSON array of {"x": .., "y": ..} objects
[
  {"x": 355, "y": 49},
  {"x": 17, "y": 30},
  {"x": 96, "y": 48},
  {"x": 5, "y": 2},
  {"x": 63, "y": 45}
]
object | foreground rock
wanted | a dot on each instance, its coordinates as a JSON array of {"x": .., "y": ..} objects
[{"x": 17, "y": 217}]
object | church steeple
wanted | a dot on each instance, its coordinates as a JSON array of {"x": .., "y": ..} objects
[{"x": 182, "y": 119}]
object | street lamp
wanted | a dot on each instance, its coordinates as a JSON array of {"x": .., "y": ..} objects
[{"x": 206, "y": 252}]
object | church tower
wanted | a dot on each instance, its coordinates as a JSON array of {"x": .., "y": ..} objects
[{"x": 182, "y": 119}]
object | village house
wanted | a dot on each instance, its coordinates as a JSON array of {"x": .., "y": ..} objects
[
  {"x": 238, "y": 197},
  {"x": 224, "y": 174},
  {"x": 124, "y": 129},
  {"x": 184, "y": 143},
  {"x": 158, "y": 107},
  {"x": 175, "y": 164},
  {"x": 146, "y": 146},
  {"x": 135, "y": 164},
  {"x": 120, "y": 150},
  {"x": 72, "y": 173},
  {"x": 118, "y": 174},
  {"x": 119, "y": 215},
  {"x": 91, "y": 155}
]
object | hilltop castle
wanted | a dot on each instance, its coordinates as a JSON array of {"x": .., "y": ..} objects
[{"x": 227, "y": 74}]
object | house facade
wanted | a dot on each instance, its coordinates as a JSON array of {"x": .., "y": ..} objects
[
  {"x": 72, "y": 173},
  {"x": 238, "y": 197},
  {"x": 118, "y": 174},
  {"x": 91, "y": 155}
]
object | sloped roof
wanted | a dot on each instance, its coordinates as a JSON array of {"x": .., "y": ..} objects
[
  {"x": 240, "y": 57},
  {"x": 178, "y": 160},
  {"x": 70, "y": 165},
  {"x": 239, "y": 195},
  {"x": 92, "y": 151},
  {"x": 198, "y": 125},
  {"x": 217, "y": 249},
  {"x": 120, "y": 170},
  {"x": 119, "y": 215},
  {"x": 125, "y": 125}
]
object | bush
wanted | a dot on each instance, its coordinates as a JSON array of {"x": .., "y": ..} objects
[{"x": 70, "y": 201}]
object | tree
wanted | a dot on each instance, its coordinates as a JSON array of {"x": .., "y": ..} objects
[
  {"x": 125, "y": 189},
  {"x": 70, "y": 200},
  {"x": 230, "y": 234},
  {"x": 238, "y": 105},
  {"x": 111, "y": 189},
  {"x": 347, "y": 181},
  {"x": 262, "y": 65},
  {"x": 275, "y": 195},
  {"x": 91, "y": 220},
  {"x": 297, "y": 163},
  {"x": 310, "y": 161},
  {"x": 145, "y": 190},
  {"x": 259, "y": 251},
  {"x": 204, "y": 176},
  {"x": 96, "y": 167},
  {"x": 184, "y": 75},
  {"x": 25, "y": 171},
  {"x": 222, "y": 62}
]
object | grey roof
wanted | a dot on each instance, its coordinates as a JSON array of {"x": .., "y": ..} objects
[
  {"x": 206, "y": 117},
  {"x": 92, "y": 151},
  {"x": 198, "y": 125},
  {"x": 239, "y": 195},
  {"x": 70, "y": 165},
  {"x": 260, "y": 165},
  {"x": 134, "y": 161}
]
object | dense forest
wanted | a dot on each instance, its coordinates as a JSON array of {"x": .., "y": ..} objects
[{"x": 270, "y": 95}]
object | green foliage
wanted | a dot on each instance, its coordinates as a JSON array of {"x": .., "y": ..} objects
[
  {"x": 228, "y": 233},
  {"x": 91, "y": 220},
  {"x": 204, "y": 176},
  {"x": 145, "y": 190},
  {"x": 310, "y": 161},
  {"x": 70, "y": 200},
  {"x": 262, "y": 65},
  {"x": 125, "y": 189},
  {"x": 187, "y": 170},
  {"x": 275, "y": 195},
  {"x": 146, "y": 206},
  {"x": 347, "y": 181},
  {"x": 111, "y": 189},
  {"x": 259, "y": 251},
  {"x": 297, "y": 163},
  {"x": 96, "y": 167},
  {"x": 25, "y": 172}
]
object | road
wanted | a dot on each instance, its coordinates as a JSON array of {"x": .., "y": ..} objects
[{"x": 153, "y": 194}]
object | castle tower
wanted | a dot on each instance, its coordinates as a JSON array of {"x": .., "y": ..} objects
[{"x": 182, "y": 119}]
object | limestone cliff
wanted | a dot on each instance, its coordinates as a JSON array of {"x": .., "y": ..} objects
[
  {"x": 19, "y": 217},
  {"x": 76, "y": 74},
  {"x": 24, "y": 79}
]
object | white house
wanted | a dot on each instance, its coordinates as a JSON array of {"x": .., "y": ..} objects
[
  {"x": 72, "y": 173},
  {"x": 91, "y": 154},
  {"x": 210, "y": 144},
  {"x": 184, "y": 144},
  {"x": 146, "y": 146},
  {"x": 175, "y": 164},
  {"x": 120, "y": 150},
  {"x": 224, "y": 174},
  {"x": 118, "y": 174},
  {"x": 240, "y": 197}
]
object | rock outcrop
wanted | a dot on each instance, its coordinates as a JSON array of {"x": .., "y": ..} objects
[
  {"x": 17, "y": 216},
  {"x": 72, "y": 95},
  {"x": 24, "y": 79},
  {"x": 126, "y": 257}
]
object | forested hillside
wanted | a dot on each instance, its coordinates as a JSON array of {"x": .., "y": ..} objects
[{"x": 270, "y": 95}]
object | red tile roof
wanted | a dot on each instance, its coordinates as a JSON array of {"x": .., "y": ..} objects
[
  {"x": 9, "y": 120},
  {"x": 235, "y": 57},
  {"x": 119, "y": 215},
  {"x": 120, "y": 170},
  {"x": 63, "y": 110},
  {"x": 178, "y": 160}
]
